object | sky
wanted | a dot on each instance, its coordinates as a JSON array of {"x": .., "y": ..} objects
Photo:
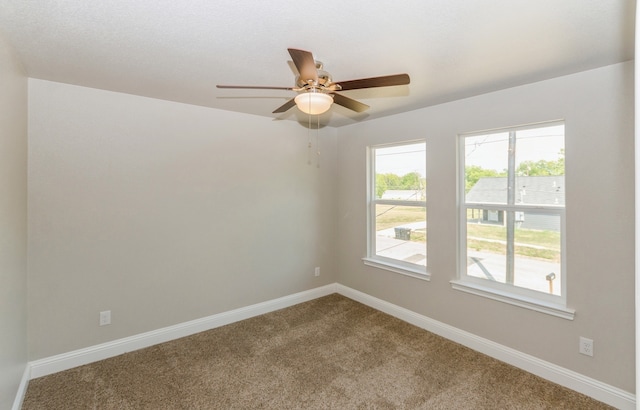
[
  {"x": 401, "y": 160},
  {"x": 490, "y": 151}
]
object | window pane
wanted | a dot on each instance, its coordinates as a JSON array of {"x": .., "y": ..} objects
[
  {"x": 486, "y": 164},
  {"x": 401, "y": 233},
  {"x": 400, "y": 172},
  {"x": 537, "y": 264},
  {"x": 398, "y": 223},
  {"x": 539, "y": 166},
  {"x": 536, "y": 252},
  {"x": 486, "y": 245},
  {"x": 540, "y": 151}
]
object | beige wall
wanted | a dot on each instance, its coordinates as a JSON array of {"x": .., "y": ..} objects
[
  {"x": 164, "y": 212},
  {"x": 598, "y": 109},
  {"x": 13, "y": 223}
]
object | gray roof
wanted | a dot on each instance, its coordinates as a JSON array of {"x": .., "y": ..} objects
[{"x": 534, "y": 190}]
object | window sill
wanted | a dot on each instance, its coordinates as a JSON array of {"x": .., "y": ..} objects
[
  {"x": 516, "y": 300},
  {"x": 417, "y": 273}
]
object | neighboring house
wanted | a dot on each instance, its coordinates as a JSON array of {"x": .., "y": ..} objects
[{"x": 535, "y": 190}]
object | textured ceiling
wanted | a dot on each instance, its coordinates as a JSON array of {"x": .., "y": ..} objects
[{"x": 179, "y": 50}]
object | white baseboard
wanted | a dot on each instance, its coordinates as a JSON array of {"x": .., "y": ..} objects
[
  {"x": 22, "y": 388},
  {"x": 603, "y": 392},
  {"x": 58, "y": 363},
  {"x": 600, "y": 391}
]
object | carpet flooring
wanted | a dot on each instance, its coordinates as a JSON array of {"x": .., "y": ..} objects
[{"x": 329, "y": 353}]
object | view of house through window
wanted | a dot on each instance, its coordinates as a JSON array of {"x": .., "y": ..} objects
[
  {"x": 512, "y": 220},
  {"x": 398, "y": 216}
]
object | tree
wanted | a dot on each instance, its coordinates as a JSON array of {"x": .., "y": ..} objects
[
  {"x": 542, "y": 167},
  {"x": 411, "y": 181},
  {"x": 385, "y": 182},
  {"x": 474, "y": 172},
  {"x": 393, "y": 181},
  {"x": 381, "y": 185}
]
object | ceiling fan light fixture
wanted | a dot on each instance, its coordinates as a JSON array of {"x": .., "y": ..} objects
[{"x": 313, "y": 103}]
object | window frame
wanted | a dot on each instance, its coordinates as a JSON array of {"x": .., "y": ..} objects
[
  {"x": 505, "y": 292},
  {"x": 372, "y": 259}
]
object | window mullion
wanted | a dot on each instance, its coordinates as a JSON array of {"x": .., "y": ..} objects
[{"x": 511, "y": 200}]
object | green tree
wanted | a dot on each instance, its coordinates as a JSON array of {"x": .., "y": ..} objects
[
  {"x": 393, "y": 181},
  {"x": 411, "y": 181},
  {"x": 542, "y": 167},
  {"x": 381, "y": 185},
  {"x": 385, "y": 182},
  {"x": 474, "y": 172}
]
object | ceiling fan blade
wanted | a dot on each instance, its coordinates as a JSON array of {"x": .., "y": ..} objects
[
  {"x": 285, "y": 107},
  {"x": 255, "y": 87},
  {"x": 384, "y": 81},
  {"x": 349, "y": 103},
  {"x": 305, "y": 64}
]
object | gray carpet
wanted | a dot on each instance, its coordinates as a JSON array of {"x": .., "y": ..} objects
[{"x": 329, "y": 353}]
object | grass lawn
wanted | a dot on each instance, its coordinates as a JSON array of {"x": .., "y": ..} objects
[
  {"x": 390, "y": 216},
  {"x": 548, "y": 240}
]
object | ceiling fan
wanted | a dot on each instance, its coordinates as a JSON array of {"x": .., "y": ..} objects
[{"x": 317, "y": 90}]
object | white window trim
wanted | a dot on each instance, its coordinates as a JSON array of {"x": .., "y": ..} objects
[
  {"x": 525, "y": 298},
  {"x": 381, "y": 262},
  {"x": 393, "y": 265},
  {"x": 511, "y": 298}
]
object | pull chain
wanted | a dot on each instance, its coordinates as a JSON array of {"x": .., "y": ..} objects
[
  {"x": 318, "y": 141},
  {"x": 309, "y": 142}
]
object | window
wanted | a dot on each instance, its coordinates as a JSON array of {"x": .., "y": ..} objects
[
  {"x": 397, "y": 208},
  {"x": 512, "y": 216}
]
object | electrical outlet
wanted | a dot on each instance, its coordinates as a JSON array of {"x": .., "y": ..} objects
[
  {"x": 317, "y": 271},
  {"x": 105, "y": 318},
  {"x": 586, "y": 346}
]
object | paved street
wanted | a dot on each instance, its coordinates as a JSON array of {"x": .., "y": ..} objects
[
  {"x": 529, "y": 273},
  {"x": 415, "y": 252}
]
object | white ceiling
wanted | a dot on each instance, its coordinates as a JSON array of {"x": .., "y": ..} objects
[{"x": 179, "y": 50}]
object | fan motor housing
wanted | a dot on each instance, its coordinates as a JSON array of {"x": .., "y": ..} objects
[{"x": 324, "y": 78}]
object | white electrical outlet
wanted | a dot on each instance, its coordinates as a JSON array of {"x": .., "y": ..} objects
[
  {"x": 317, "y": 271},
  {"x": 586, "y": 346},
  {"x": 105, "y": 318}
]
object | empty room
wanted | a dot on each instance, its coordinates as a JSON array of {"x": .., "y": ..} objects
[{"x": 293, "y": 204}]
